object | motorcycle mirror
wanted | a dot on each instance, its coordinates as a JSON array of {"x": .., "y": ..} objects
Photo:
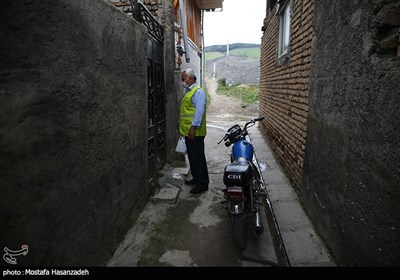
[{"x": 223, "y": 139}]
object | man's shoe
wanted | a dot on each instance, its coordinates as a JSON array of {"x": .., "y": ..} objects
[
  {"x": 190, "y": 182},
  {"x": 198, "y": 189}
]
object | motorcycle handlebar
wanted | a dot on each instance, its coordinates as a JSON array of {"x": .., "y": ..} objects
[
  {"x": 253, "y": 121},
  {"x": 224, "y": 139}
]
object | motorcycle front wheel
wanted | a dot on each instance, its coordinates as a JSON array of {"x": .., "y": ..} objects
[{"x": 240, "y": 230}]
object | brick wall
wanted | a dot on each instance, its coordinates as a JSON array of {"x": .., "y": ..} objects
[
  {"x": 126, "y": 7},
  {"x": 284, "y": 88}
]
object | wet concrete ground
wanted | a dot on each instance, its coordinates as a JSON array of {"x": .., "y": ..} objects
[{"x": 180, "y": 229}]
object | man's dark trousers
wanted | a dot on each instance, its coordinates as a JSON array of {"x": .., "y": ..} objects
[{"x": 197, "y": 161}]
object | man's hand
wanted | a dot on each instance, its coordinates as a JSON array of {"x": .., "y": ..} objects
[{"x": 192, "y": 133}]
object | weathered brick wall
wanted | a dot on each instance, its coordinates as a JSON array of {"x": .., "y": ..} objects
[
  {"x": 284, "y": 88},
  {"x": 126, "y": 6}
]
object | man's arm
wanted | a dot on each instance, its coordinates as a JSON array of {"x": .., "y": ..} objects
[{"x": 199, "y": 102}]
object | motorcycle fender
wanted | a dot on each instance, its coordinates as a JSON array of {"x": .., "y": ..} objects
[{"x": 236, "y": 207}]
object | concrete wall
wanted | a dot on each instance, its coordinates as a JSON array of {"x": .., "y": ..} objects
[
  {"x": 172, "y": 82},
  {"x": 195, "y": 61},
  {"x": 351, "y": 187},
  {"x": 163, "y": 11},
  {"x": 73, "y": 137},
  {"x": 284, "y": 87}
]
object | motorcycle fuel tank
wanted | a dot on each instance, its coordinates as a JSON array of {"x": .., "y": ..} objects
[{"x": 242, "y": 148}]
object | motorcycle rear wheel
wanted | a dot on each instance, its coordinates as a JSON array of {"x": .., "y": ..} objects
[{"x": 239, "y": 222}]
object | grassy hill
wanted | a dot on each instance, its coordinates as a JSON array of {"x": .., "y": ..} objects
[
  {"x": 222, "y": 48},
  {"x": 213, "y": 55},
  {"x": 242, "y": 66},
  {"x": 249, "y": 50}
]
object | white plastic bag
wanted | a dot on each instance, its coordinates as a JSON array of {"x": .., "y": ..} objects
[{"x": 181, "y": 146}]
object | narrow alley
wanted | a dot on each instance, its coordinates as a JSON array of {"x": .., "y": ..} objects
[
  {"x": 179, "y": 229},
  {"x": 90, "y": 96}
]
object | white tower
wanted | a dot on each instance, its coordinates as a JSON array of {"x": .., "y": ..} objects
[{"x": 213, "y": 74}]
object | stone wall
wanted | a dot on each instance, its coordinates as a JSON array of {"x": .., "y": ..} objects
[
  {"x": 351, "y": 188},
  {"x": 284, "y": 88},
  {"x": 73, "y": 139}
]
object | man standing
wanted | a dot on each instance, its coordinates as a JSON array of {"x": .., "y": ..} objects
[{"x": 192, "y": 125}]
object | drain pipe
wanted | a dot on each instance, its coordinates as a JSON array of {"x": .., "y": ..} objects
[
  {"x": 182, "y": 11},
  {"x": 203, "y": 49}
]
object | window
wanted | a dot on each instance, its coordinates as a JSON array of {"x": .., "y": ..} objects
[{"x": 284, "y": 31}]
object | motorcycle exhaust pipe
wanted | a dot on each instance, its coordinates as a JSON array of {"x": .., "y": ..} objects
[{"x": 258, "y": 224}]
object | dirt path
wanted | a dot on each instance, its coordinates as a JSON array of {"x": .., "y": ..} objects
[{"x": 227, "y": 109}]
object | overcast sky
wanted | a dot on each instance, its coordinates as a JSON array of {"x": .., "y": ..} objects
[{"x": 239, "y": 22}]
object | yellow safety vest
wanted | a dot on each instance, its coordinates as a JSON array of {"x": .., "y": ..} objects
[{"x": 187, "y": 115}]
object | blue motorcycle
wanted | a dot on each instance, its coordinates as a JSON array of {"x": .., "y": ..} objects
[{"x": 244, "y": 184}]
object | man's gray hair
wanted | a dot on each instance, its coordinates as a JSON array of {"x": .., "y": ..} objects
[{"x": 191, "y": 73}]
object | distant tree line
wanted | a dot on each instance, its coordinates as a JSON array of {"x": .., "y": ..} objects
[{"x": 222, "y": 48}]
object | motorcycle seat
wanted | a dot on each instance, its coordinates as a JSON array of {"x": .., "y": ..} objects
[
  {"x": 237, "y": 173},
  {"x": 240, "y": 165}
]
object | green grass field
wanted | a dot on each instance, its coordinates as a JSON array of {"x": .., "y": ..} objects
[
  {"x": 213, "y": 55},
  {"x": 250, "y": 52},
  {"x": 246, "y": 94}
]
